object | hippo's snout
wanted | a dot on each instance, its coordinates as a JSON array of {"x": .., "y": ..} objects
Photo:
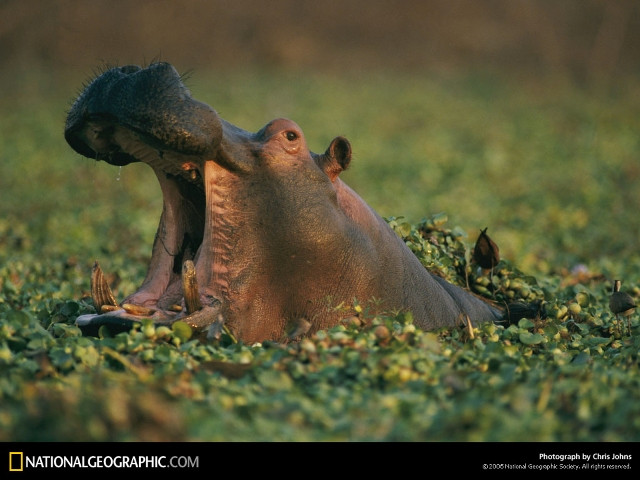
[{"x": 153, "y": 102}]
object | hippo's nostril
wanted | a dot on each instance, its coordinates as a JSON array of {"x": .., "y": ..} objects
[{"x": 128, "y": 69}]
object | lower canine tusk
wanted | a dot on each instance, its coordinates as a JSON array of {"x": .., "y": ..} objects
[
  {"x": 190, "y": 287},
  {"x": 100, "y": 291}
]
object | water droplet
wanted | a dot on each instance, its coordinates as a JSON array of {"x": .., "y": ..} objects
[{"x": 119, "y": 172}]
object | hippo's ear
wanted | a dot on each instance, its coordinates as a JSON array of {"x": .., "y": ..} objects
[{"x": 336, "y": 158}]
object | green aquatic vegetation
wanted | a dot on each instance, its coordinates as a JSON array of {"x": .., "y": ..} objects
[{"x": 565, "y": 376}]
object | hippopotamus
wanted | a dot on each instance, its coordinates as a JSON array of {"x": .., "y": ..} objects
[{"x": 258, "y": 234}]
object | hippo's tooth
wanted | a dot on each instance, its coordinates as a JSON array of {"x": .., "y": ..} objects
[
  {"x": 109, "y": 308},
  {"x": 100, "y": 291},
  {"x": 190, "y": 287},
  {"x": 469, "y": 327},
  {"x": 138, "y": 310}
]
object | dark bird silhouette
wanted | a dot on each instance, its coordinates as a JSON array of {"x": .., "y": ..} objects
[
  {"x": 486, "y": 253},
  {"x": 621, "y": 303},
  {"x": 515, "y": 311}
]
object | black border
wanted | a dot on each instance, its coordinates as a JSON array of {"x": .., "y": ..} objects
[{"x": 339, "y": 458}]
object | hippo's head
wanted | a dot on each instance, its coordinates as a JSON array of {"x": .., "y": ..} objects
[
  {"x": 245, "y": 209},
  {"x": 258, "y": 235}
]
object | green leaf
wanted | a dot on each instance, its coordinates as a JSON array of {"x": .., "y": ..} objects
[
  {"x": 446, "y": 261},
  {"x": 458, "y": 233},
  {"x": 19, "y": 316},
  {"x": 526, "y": 323},
  {"x": 182, "y": 330},
  {"x": 404, "y": 229},
  {"x": 61, "y": 358},
  {"x": 439, "y": 219},
  {"x": 70, "y": 309},
  {"x": 596, "y": 341},
  {"x": 529, "y": 338},
  {"x": 89, "y": 356},
  {"x": 581, "y": 359},
  {"x": 274, "y": 380},
  {"x": 65, "y": 330}
]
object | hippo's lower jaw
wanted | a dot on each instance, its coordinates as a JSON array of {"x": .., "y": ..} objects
[
  {"x": 122, "y": 317},
  {"x": 170, "y": 291}
]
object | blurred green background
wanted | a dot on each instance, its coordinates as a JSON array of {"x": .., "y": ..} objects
[{"x": 520, "y": 116}]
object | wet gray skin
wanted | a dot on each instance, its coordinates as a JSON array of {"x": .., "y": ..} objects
[{"x": 276, "y": 237}]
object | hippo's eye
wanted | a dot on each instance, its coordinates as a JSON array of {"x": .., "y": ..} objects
[{"x": 291, "y": 136}]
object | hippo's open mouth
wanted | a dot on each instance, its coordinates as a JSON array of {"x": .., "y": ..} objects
[{"x": 130, "y": 114}]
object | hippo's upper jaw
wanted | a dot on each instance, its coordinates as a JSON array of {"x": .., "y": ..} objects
[
  {"x": 152, "y": 102},
  {"x": 258, "y": 235}
]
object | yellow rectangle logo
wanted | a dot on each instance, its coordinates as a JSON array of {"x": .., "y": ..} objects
[{"x": 16, "y": 461}]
